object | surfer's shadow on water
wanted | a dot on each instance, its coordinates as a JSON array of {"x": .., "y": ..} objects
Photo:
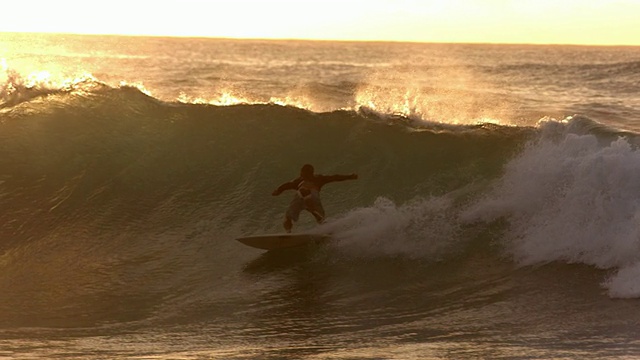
[
  {"x": 298, "y": 279},
  {"x": 282, "y": 260}
]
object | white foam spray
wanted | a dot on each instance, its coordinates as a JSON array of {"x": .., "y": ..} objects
[
  {"x": 419, "y": 228},
  {"x": 571, "y": 198}
]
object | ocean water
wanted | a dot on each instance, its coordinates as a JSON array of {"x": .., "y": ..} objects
[{"x": 496, "y": 214}]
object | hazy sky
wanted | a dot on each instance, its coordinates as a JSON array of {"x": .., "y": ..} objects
[{"x": 610, "y": 22}]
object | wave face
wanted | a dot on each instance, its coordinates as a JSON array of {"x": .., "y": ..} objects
[{"x": 113, "y": 155}]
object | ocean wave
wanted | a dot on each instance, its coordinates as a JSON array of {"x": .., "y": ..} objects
[{"x": 113, "y": 169}]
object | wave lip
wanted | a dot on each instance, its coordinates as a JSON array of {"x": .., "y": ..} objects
[{"x": 16, "y": 88}]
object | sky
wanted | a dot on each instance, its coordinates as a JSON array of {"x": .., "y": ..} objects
[{"x": 582, "y": 22}]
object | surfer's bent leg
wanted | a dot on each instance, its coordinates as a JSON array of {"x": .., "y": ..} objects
[
  {"x": 293, "y": 212},
  {"x": 314, "y": 206},
  {"x": 287, "y": 224}
]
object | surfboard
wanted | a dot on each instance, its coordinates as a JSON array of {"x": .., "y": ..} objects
[{"x": 283, "y": 241}]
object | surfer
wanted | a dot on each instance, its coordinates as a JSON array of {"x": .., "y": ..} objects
[{"x": 307, "y": 196}]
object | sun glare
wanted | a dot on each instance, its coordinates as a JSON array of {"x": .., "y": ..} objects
[{"x": 495, "y": 21}]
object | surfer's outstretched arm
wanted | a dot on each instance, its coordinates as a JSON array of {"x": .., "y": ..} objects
[{"x": 332, "y": 178}]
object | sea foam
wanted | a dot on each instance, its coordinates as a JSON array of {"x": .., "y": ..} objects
[{"x": 570, "y": 198}]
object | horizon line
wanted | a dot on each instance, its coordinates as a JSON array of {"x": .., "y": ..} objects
[{"x": 211, "y": 37}]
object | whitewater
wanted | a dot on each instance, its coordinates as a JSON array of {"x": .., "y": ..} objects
[{"x": 496, "y": 213}]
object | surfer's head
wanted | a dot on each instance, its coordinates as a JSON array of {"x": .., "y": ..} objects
[{"x": 306, "y": 171}]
